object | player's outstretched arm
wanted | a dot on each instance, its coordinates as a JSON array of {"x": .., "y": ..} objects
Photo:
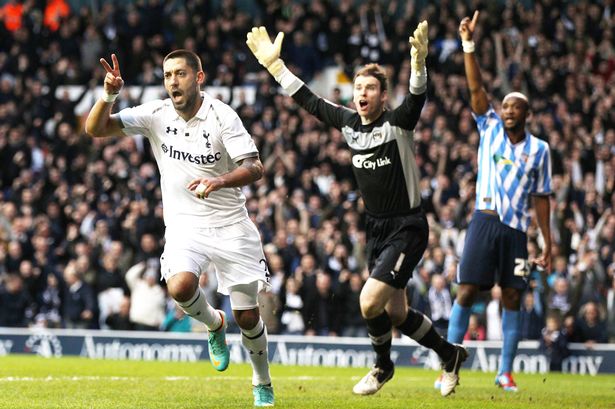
[
  {"x": 478, "y": 95},
  {"x": 419, "y": 43},
  {"x": 99, "y": 121},
  {"x": 268, "y": 55}
]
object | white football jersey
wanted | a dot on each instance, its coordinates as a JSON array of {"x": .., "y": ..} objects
[{"x": 208, "y": 145}]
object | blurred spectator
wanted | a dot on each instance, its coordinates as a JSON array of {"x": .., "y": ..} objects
[
  {"x": 78, "y": 301},
  {"x": 176, "y": 320},
  {"x": 120, "y": 319},
  {"x": 50, "y": 304},
  {"x": 16, "y": 304},
  {"x": 554, "y": 343},
  {"x": 148, "y": 299},
  {"x": 347, "y": 300},
  {"x": 320, "y": 306},
  {"x": 493, "y": 314},
  {"x": 590, "y": 327},
  {"x": 440, "y": 303},
  {"x": 292, "y": 314},
  {"x": 476, "y": 330},
  {"x": 531, "y": 317},
  {"x": 610, "y": 311}
]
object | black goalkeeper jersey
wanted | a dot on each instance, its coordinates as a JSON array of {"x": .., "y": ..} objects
[{"x": 383, "y": 159}]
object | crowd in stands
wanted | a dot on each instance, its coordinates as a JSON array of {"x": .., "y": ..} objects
[{"x": 81, "y": 224}]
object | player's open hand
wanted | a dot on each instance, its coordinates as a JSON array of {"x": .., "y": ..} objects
[
  {"x": 266, "y": 52},
  {"x": 113, "y": 80},
  {"x": 544, "y": 262},
  {"x": 467, "y": 26},
  {"x": 419, "y": 41}
]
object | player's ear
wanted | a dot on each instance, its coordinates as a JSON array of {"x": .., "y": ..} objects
[{"x": 200, "y": 77}]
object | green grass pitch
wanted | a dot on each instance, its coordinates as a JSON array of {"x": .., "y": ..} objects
[{"x": 32, "y": 382}]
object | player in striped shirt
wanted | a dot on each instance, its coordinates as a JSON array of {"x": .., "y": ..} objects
[{"x": 513, "y": 166}]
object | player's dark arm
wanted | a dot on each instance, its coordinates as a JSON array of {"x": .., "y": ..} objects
[
  {"x": 478, "y": 96},
  {"x": 542, "y": 208},
  {"x": 327, "y": 112},
  {"x": 408, "y": 113}
]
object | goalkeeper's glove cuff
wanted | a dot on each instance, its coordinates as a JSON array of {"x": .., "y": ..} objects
[
  {"x": 418, "y": 80},
  {"x": 289, "y": 81},
  {"x": 275, "y": 68}
]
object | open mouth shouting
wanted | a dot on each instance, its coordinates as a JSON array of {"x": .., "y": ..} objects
[{"x": 177, "y": 95}]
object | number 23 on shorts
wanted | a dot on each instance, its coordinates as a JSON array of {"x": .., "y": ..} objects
[{"x": 522, "y": 267}]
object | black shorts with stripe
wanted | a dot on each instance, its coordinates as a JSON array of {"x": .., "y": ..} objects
[{"x": 395, "y": 245}]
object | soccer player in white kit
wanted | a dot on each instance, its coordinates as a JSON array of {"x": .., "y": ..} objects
[{"x": 205, "y": 155}]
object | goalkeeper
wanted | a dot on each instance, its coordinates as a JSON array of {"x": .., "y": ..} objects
[{"x": 382, "y": 147}]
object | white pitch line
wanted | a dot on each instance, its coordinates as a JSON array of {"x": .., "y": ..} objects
[{"x": 164, "y": 378}]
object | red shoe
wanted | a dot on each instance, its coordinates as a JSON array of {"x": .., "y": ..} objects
[{"x": 506, "y": 382}]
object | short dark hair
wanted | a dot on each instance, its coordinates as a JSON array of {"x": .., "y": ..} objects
[
  {"x": 376, "y": 71},
  {"x": 191, "y": 58}
]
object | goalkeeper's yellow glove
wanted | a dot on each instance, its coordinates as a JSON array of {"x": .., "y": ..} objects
[
  {"x": 266, "y": 52},
  {"x": 419, "y": 42}
]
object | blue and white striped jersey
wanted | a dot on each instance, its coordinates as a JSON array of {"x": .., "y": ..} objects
[{"x": 509, "y": 173}]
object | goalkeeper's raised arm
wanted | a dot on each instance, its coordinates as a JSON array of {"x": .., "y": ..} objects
[{"x": 369, "y": 106}]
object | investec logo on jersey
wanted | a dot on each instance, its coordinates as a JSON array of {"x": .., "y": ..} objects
[
  {"x": 198, "y": 159},
  {"x": 364, "y": 161}
]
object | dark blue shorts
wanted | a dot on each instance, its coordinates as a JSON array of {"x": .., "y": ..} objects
[
  {"x": 395, "y": 245},
  {"x": 493, "y": 252}
]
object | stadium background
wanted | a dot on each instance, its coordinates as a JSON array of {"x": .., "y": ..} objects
[{"x": 74, "y": 208}]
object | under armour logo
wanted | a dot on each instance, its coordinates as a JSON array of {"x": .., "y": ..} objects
[
  {"x": 206, "y": 136},
  {"x": 174, "y": 130}
]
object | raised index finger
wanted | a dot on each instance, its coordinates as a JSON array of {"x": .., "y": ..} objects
[{"x": 474, "y": 20}]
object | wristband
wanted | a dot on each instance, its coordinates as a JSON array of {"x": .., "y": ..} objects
[
  {"x": 468, "y": 46},
  {"x": 109, "y": 97}
]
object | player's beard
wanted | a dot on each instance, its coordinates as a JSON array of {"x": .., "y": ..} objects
[{"x": 190, "y": 100}]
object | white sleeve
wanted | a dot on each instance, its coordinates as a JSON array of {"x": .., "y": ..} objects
[
  {"x": 138, "y": 120},
  {"x": 236, "y": 139}
]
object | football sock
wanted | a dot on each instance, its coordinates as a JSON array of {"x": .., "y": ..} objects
[
  {"x": 458, "y": 323},
  {"x": 511, "y": 333},
  {"x": 198, "y": 308},
  {"x": 380, "y": 333},
  {"x": 418, "y": 327},
  {"x": 255, "y": 341}
]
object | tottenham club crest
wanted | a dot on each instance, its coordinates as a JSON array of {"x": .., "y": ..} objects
[{"x": 44, "y": 344}]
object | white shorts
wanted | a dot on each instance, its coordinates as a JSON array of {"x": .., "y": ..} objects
[{"x": 235, "y": 251}]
